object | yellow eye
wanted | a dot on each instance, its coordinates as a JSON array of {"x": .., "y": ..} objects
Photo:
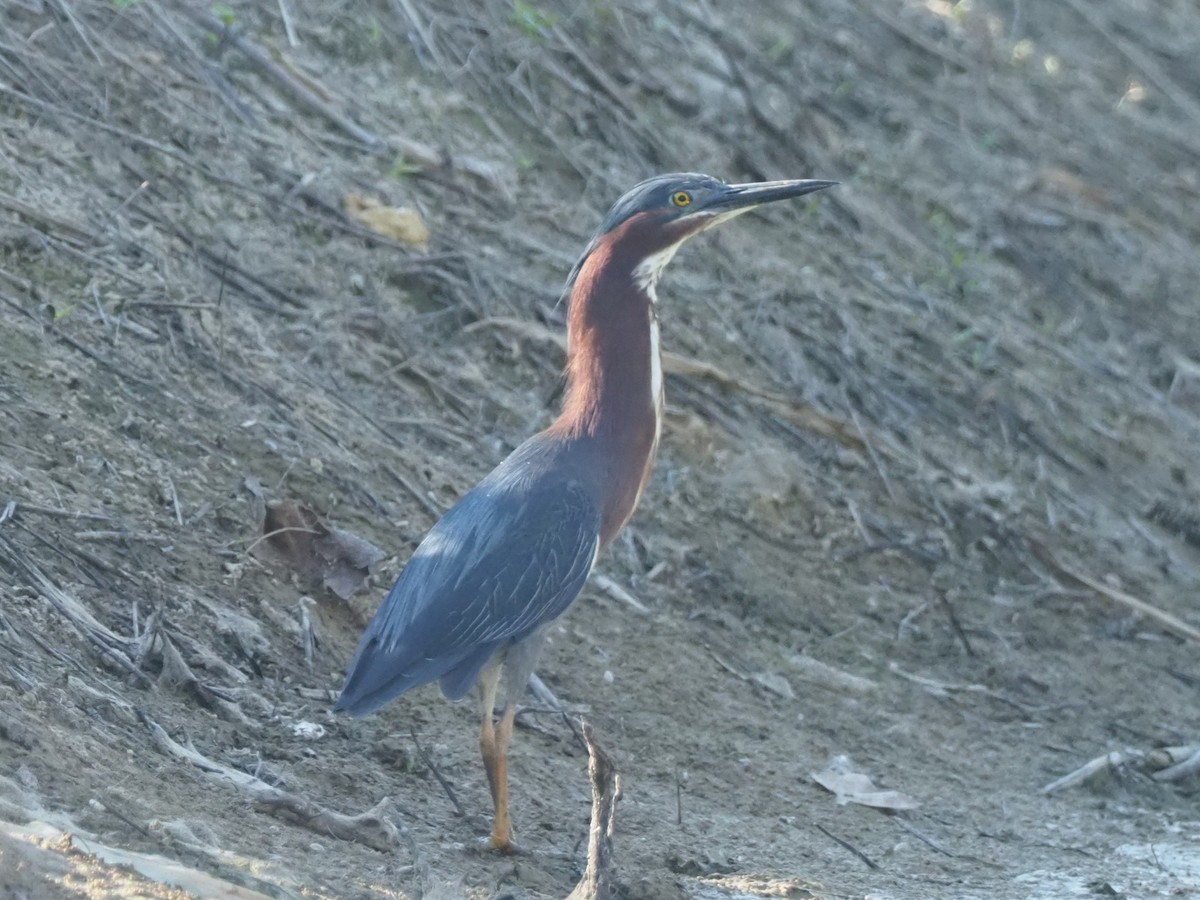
[{"x": 681, "y": 198}]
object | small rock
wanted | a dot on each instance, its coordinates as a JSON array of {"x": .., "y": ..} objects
[{"x": 309, "y": 731}]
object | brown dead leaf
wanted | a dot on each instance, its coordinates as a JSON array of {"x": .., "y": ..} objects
[
  {"x": 400, "y": 223},
  {"x": 348, "y": 559},
  {"x": 855, "y": 787},
  {"x": 289, "y": 529},
  {"x": 295, "y": 535}
]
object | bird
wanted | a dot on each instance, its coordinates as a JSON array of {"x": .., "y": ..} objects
[{"x": 473, "y": 604}]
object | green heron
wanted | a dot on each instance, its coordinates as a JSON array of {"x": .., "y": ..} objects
[{"x": 474, "y": 603}]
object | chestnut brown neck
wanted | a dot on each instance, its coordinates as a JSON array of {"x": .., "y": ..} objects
[{"x": 613, "y": 404}]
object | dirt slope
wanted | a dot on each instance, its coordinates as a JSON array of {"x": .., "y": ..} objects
[{"x": 929, "y": 435}]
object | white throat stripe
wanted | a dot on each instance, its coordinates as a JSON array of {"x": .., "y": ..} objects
[{"x": 647, "y": 273}]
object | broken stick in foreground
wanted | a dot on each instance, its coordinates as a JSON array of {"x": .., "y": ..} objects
[{"x": 599, "y": 880}]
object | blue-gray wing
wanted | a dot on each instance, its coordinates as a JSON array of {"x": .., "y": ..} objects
[{"x": 505, "y": 560}]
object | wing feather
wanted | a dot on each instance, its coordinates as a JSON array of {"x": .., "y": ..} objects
[{"x": 512, "y": 555}]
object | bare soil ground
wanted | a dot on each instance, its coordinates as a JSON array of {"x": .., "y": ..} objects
[{"x": 932, "y": 437}]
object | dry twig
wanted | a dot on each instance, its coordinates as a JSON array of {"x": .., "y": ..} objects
[
  {"x": 1089, "y": 770},
  {"x": 441, "y": 779},
  {"x": 1184, "y": 768},
  {"x": 599, "y": 881},
  {"x": 614, "y": 590},
  {"x": 111, "y": 644},
  {"x": 371, "y": 828},
  {"x": 846, "y": 845},
  {"x": 1168, "y": 621},
  {"x": 300, "y": 90}
]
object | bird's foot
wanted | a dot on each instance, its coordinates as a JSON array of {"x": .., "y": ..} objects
[{"x": 502, "y": 843}]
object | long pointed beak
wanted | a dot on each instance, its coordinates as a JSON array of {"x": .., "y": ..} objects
[{"x": 744, "y": 197}]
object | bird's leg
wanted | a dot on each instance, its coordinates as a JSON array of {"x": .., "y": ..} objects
[
  {"x": 502, "y": 834},
  {"x": 493, "y": 747}
]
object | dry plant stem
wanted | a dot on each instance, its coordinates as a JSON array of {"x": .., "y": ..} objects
[
  {"x": 405, "y": 9},
  {"x": 111, "y": 644},
  {"x": 68, "y": 230},
  {"x": 830, "y": 677},
  {"x": 1172, "y": 764},
  {"x": 599, "y": 882},
  {"x": 595, "y": 72},
  {"x": 875, "y": 461},
  {"x": 308, "y": 98},
  {"x": 411, "y": 489},
  {"x": 614, "y": 590},
  {"x": 288, "y": 27},
  {"x": 845, "y": 845},
  {"x": 948, "y": 608},
  {"x": 1087, "y": 771},
  {"x": 308, "y": 637},
  {"x": 679, "y": 798},
  {"x": 1164, "y": 757},
  {"x": 920, "y": 835},
  {"x": 134, "y": 137},
  {"x": 22, "y": 507},
  {"x": 371, "y": 828},
  {"x": 1189, "y": 767},
  {"x": 122, "y": 536},
  {"x": 441, "y": 779},
  {"x": 116, "y": 369},
  {"x": 1179, "y": 520},
  {"x": 543, "y": 693},
  {"x": 1168, "y": 621},
  {"x": 945, "y": 689}
]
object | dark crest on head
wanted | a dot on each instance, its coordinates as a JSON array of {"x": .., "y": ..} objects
[{"x": 671, "y": 196}]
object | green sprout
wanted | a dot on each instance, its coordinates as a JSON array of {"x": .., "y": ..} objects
[
  {"x": 402, "y": 168},
  {"x": 531, "y": 20},
  {"x": 225, "y": 13},
  {"x": 782, "y": 47}
]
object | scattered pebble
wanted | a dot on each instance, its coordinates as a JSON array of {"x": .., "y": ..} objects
[{"x": 309, "y": 731}]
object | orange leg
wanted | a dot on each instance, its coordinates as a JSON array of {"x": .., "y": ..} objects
[{"x": 493, "y": 746}]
